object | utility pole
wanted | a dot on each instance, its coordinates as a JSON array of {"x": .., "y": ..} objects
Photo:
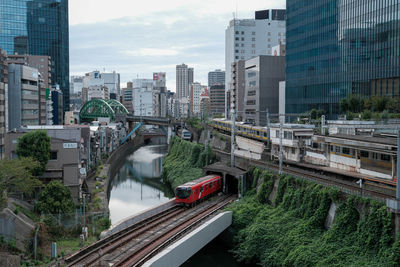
[
  {"x": 269, "y": 136},
  {"x": 233, "y": 138},
  {"x": 280, "y": 144},
  {"x": 323, "y": 125},
  {"x": 398, "y": 167}
]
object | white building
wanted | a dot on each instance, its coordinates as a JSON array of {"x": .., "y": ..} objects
[
  {"x": 196, "y": 89},
  {"x": 112, "y": 82},
  {"x": 248, "y": 38},
  {"x": 184, "y": 77},
  {"x": 143, "y": 102},
  {"x": 76, "y": 84}
]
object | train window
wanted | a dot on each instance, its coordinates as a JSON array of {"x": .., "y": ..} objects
[
  {"x": 258, "y": 133},
  {"x": 374, "y": 155},
  {"x": 346, "y": 150},
  {"x": 385, "y": 157},
  {"x": 202, "y": 189},
  {"x": 337, "y": 149},
  {"x": 277, "y": 133},
  {"x": 211, "y": 185},
  {"x": 364, "y": 154},
  {"x": 331, "y": 148},
  {"x": 315, "y": 145}
]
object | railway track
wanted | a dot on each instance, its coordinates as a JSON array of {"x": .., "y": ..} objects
[
  {"x": 134, "y": 246},
  {"x": 373, "y": 188}
]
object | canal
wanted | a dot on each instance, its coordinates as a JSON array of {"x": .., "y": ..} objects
[{"x": 137, "y": 186}]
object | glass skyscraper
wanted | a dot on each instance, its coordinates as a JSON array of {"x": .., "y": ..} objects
[
  {"x": 340, "y": 47},
  {"x": 38, "y": 27}
]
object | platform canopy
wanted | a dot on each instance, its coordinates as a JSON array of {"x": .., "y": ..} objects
[{"x": 101, "y": 108}]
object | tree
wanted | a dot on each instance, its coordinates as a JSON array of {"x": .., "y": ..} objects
[
  {"x": 379, "y": 103},
  {"x": 314, "y": 114},
  {"x": 393, "y": 105},
  {"x": 344, "y": 105},
  {"x": 55, "y": 198},
  {"x": 16, "y": 176},
  {"x": 35, "y": 145},
  {"x": 355, "y": 103}
]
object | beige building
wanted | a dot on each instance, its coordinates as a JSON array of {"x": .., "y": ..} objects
[{"x": 69, "y": 157}]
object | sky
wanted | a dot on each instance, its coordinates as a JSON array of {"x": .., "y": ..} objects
[{"x": 136, "y": 38}]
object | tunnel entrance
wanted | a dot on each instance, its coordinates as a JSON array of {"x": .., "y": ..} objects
[
  {"x": 231, "y": 184},
  {"x": 231, "y": 177}
]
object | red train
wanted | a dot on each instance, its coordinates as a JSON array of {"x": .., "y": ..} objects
[{"x": 196, "y": 190}]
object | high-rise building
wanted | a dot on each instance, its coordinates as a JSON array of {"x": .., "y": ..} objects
[
  {"x": 76, "y": 84},
  {"x": 3, "y": 85},
  {"x": 216, "y": 77},
  {"x": 113, "y": 82},
  {"x": 248, "y": 38},
  {"x": 263, "y": 74},
  {"x": 58, "y": 110},
  {"x": 127, "y": 97},
  {"x": 196, "y": 89},
  {"x": 160, "y": 94},
  {"x": 337, "y": 49},
  {"x": 184, "y": 77},
  {"x": 23, "y": 96},
  {"x": 38, "y": 27},
  {"x": 217, "y": 99},
  {"x": 237, "y": 86}
]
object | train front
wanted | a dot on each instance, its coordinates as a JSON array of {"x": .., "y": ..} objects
[{"x": 182, "y": 194}]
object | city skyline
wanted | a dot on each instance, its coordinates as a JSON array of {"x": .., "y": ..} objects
[{"x": 128, "y": 44}]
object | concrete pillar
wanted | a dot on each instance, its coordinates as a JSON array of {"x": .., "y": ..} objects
[
  {"x": 169, "y": 134},
  {"x": 224, "y": 185},
  {"x": 393, "y": 166}
]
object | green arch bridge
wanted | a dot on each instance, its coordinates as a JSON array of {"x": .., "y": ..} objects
[{"x": 101, "y": 108}]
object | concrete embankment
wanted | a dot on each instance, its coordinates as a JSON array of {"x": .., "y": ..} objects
[{"x": 112, "y": 165}]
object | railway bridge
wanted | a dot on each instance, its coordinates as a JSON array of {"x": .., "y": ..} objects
[{"x": 166, "y": 235}]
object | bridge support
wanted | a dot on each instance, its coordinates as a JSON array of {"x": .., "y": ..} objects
[{"x": 182, "y": 250}]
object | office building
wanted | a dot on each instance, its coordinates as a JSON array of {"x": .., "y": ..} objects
[
  {"x": 217, "y": 99},
  {"x": 196, "y": 89},
  {"x": 160, "y": 94},
  {"x": 127, "y": 97},
  {"x": 3, "y": 85},
  {"x": 58, "y": 109},
  {"x": 112, "y": 81},
  {"x": 216, "y": 77},
  {"x": 38, "y": 27},
  {"x": 23, "y": 96},
  {"x": 263, "y": 74},
  {"x": 237, "y": 86},
  {"x": 247, "y": 38},
  {"x": 184, "y": 77},
  {"x": 76, "y": 84},
  {"x": 336, "y": 50}
]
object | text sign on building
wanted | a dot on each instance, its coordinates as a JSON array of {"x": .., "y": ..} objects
[{"x": 70, "y": 145}]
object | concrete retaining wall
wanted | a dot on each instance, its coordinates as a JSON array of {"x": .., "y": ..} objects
[
  {"x": 137, "y": 218},
  {"x": 182, "y": 250}
]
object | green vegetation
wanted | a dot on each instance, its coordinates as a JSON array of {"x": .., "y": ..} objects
[
  {"x": 184, "y": 162},
  {"x": 16, "y": 176},
  {"x": 55, "y": 198},
  {"x": 195, "y": 123},
  {"x": 291, "y": 231},
  {"x": 375, "y": 107},
  {"x": 36, "y": 145}
]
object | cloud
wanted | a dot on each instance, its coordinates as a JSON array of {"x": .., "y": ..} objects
[
  {"x": 136, "y": 44},
  {"x": 142, "y": 52}
]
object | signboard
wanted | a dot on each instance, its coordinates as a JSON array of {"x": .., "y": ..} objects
[
  {"x": 70, "y": 145},
  {"x": 82, "y": 171}
]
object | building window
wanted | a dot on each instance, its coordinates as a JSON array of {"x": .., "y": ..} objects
[
  {"x": 251, "y": 74},
  {"x": 237, "y": 38},
  {"x": 242, "y": 45},
  {"x": 236, "y": 57},
  {"x": 53, "y": 155},
  {"x": 242, "y": 38},
  {"x": 253, "y": 46},
  {"x": 242, "y": 32},
  {"x": 346, "y": 151},
  {"x": 337, "y": 149},
  {"x": 237, "y": 32},
  {"x": 236, "y": 45},
  {"x": 236, "y": 51},
  {"x": 364, "y": 154},
  {"x": 293, "y": 150},
  {"x": 253, "y": 39},
  {"x": 277, "y": 133},
  {"x": 252, "y": 83},
  {"x": 253, "y": 33},
  {"x": 385, "y": 157}
]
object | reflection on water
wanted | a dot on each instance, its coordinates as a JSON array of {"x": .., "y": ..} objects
[{"x": 137, "y": 186}]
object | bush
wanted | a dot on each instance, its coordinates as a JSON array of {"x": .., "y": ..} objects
[{"x": 292, "y": 233}]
